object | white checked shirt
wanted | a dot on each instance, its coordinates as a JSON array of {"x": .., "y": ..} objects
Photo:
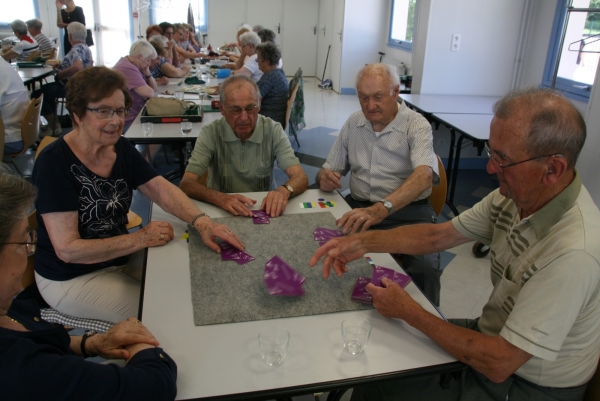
[{"x": 381, "y": 161}]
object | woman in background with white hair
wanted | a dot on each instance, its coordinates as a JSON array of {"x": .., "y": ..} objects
[
  {"x": 248, "y": 43},
  {"x": 139, "y": 80},
  {"x": 78, "y": 58}
]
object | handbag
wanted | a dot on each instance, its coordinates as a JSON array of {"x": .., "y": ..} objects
[
  {"x": 161, "y": 106},
  {"x": 89, "y": 39}
]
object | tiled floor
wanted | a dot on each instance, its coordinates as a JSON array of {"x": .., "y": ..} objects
[{"x": 466, "y": 284}]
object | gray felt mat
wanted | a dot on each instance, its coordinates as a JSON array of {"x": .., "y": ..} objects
[{"x": 224, "y": 292}]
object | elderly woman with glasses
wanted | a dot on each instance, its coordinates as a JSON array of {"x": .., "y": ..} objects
[
  {"x": 249, "y": 67},
  {"x": 88, "y": 265},
  {"x": 39, "y": 360}
]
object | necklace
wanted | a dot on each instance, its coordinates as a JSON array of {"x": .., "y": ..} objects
[{"x": 17, "y": 322}]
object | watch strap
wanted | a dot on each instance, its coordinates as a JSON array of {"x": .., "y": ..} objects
[{"x": 83, "y": 341}]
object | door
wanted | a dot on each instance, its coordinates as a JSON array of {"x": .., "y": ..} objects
[
  {"x": 268, "y": 14},
  {"x": 336, "y": 43},
  {"x": 324, "y": 34},
  {"x": 299, "y": 38},
  {"x": 111, "y": 22},
  {"x": 224, "y": 19}
]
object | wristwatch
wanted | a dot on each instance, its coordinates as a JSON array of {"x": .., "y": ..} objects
[
  {"x": 83, "y": 340},
  {"x": 289, "y": 188},
  {"x": 388, "y": 205}
]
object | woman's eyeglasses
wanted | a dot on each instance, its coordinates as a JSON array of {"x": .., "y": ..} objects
[
  {"x": 29, "y": 245},
  {"x": 106, "y": 112}
]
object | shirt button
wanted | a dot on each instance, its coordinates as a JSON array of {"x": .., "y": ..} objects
[
  {"x": 36, "y": 319},
  {"x": 161, "y": 356}
]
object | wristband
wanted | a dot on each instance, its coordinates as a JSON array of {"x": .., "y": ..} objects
[
  {"x": 83, "y": 340},
  {"x": 148, "y": 76},
  {"x": 197, "y": 217}
]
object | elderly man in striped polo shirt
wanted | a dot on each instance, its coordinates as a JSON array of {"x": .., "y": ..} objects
[
  {"x": 388, "y": 149},
  {"x": 34, "y": 27}
]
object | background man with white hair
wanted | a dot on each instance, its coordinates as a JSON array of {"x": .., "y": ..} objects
[
  {"x": 24, "y": 47},
  {"x": 388, "y": 149}
]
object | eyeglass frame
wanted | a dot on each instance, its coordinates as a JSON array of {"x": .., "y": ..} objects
[
  {"x": 502, "y": 167},
  {"x": 254, "y": 109},
  {"x": 126, "y": 112},
  {"x": 28, "y": 245}
]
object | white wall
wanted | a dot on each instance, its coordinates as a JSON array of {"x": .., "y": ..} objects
[
  {"x": 392, "y": 53},
  {"x": 489, "y": 35}
]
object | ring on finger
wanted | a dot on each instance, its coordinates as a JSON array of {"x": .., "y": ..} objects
[{"x": 162, "y": 236}]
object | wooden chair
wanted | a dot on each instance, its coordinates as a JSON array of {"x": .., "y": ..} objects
[
  {"x": 34, "y": 54},
  {"x": 438, "y": 193},
  {"x": 30, "y": 125},
  {"x": 53, "y": 53}
]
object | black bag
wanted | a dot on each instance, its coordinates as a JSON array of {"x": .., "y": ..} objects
[{"x": 89, "y": 39}]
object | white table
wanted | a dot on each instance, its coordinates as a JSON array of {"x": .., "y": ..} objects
[
  {"x": 171, "y": 132},
  {"x": 474, "y": 127},
  {"x": 224, "y": 360},
  {"x": 451, "y": 104},
  {"x": 32, "y": 75}
]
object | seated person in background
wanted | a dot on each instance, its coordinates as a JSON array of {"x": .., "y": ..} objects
[
  {"x": 153, "y": 30},
  {"x": 168, "y": 31},
  {"x": 237, "y": 47},
  {"x": 34, "y": 27},
  {"x": 183, "y": 47},
  {"x": 78, "y": 58},
  {"x": 388, "y": 149},
  {"x": 191, "y": 37},
  {"x": 538, "y": 337},
  {"x": 25, "y": 46},
  {"x": 273, "y": 85},
  {"x": 39, "y": 360},
  {"x": 86, "y": 181},
  {"x": 238, "y": 151},
  {"x": 257, "y": 28},
  {"x": 267, "y": 35},
  {"x": 249, "y": 68},
  {"x": 155, "y": 65},
  {"x": 140, "y": 83},
  {"x": 163, "y": 68},
  {"x": 14, "y": 100}
]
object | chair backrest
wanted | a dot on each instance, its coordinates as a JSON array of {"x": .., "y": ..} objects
[
  {"x": 47, "y": 140},
  {"x": 32, "y": 55},
  {"x": 53, "y": 53},
  {"x": 438, "y": 193},
  {"x": 30, "y": 125},
  {"x": 290, "y": 103}
]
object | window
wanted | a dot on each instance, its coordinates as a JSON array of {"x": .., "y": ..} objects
[
  {"x": 402, "y": 24},
  {"x": 578, "y": 57},
  {"x": 23, "y": 10},
  {"x": 176, "y": 11}
]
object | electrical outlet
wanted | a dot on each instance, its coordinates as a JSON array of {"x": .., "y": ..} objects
[{"x": 455, "y": 45}]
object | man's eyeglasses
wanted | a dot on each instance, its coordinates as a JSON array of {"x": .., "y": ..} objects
[
  {"x": 29, "y": 245},
  {"x": 237, "y": 110},
  {"x": 106, "y": 112},
  {"x": 501, "y": 167}
]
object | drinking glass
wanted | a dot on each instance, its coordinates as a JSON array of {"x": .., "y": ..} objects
[
  {"x": 179, "y": 95},
  {"x": 147, "y": 129},
  {"x": 186, "y": 128},
  {"x": 273, "y": 343},
  {"x": 355, "y": 333}
]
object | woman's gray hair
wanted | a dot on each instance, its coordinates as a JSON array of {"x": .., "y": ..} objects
[
  {"x": 238, "y": 79},
  {"x": 16, "y": 202},
  {"x": 77, "y": 31},
  {"x": 269, "y": 52},
  {"x": 19, "y": 27},
  {"x": 142, "y": 48},
  {"x": 555, "y": 125},
  {"x": 380, "y": 69},
  {"x": 160, "y": 39},
  {"x": 249, "y": 38},
  {"x": 35, "y": 24}
]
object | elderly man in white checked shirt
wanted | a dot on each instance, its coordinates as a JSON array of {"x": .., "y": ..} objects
[{"x": 388, "y": 149}]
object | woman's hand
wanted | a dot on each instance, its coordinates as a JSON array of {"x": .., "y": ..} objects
[
  {"x": 59, "y": 4},
  {"x": 209, "y": 230},
  {"x": 156, "y": 233},
  {"x": 117, "y": 342}
]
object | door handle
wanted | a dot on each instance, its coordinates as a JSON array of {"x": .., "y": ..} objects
[
  {"x": 279, "y": 28},
  {"x": 584, "y": 87}
]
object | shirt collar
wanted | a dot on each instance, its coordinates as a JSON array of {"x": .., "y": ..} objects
[
  {"x": 230, "y": 136},
  {"x": 545, "y": 218}
]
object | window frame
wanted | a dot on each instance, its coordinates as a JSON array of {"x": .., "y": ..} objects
[
  {"x": 563, "y": 85},
  {"x": 36, "y": 10},
  {"x": 400, "y": 44},
  {"x": 200, "y": 28}
]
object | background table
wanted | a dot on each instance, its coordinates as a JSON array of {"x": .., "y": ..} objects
[
  {"x": 32, "y": 75},
  {"x": 224, "y": 360},
  {"x": 474, "y": 127}
]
